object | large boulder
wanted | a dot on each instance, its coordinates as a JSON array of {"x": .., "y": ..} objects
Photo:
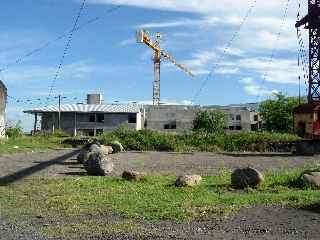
[
  {"x": 246, "y": 177},
  {"x": 83, "y": 156},
  {"x": 87, "y": 150},
  {"x": 99, "y": 164},
  {"x": 117, "y": 147},
  {"x": 311, "y": 179},
  {"x": 188, "y": 181},
  {"x": 94, "y": 148},
  {"x": 133, "y": 176}
]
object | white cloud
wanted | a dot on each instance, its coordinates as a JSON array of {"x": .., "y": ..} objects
[
  {"x": 282, "y": 71},
  {"x": 227, "y": 71},
  {"x": 256, "y": 90},
  {"x": 197, "y": 6},
  {"x": 247, "y": 80},
  {"x": 36, "y": 73},
  {"x": 127, "y": 42},
  {"x": 206, "y": 22},
  {"x": 253, "y": 89},
  {"x": 232, "y": 51}
]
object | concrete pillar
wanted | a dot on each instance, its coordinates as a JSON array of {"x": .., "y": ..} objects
[
  {"x": 75, "y": 124},
  {"x": 35, "y": 123},
  {"x": 53, "y": 122}
]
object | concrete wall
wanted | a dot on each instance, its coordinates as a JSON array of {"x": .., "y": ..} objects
[
  {"x": 81, "y": 121},
  {"x": 161, "y": 117},
  {"x": 157, "y": 117}
]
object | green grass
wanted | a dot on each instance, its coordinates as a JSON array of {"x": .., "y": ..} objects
[
  {"x": 29, "y": 143},
  {"x": 154, "y": 199}
]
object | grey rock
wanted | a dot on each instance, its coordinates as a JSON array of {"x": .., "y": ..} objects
[
  {"x": 117, "y": 147},
  {"x": 99, "y": 164},
  {"x": 83, "y": 156},
  {"x": 311, "y": 179},
  {"x": 246, "y": 177},
  {"x": 188, "y": 181},
  {"x": 94, "y": 148},
  {"x": 106, "y": 149},
  {"x": 133, "y": 176}
]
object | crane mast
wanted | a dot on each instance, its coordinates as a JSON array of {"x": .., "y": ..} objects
[
  {"x": 143, "y": 37},
  {"x": 312, "y": 22}
]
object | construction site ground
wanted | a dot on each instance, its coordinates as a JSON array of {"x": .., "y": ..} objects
[{"x": 254, "y": 223}]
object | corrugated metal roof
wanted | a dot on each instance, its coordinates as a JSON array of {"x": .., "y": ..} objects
[{"x": 85, "y": 108}]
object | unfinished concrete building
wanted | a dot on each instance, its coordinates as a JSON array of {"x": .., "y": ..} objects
[
  {"x": 95, "y": 118},
  {"x": 3, "y": 103},
  {"x": 179, "y": 118},
  {"x": 91, "y": 119}
]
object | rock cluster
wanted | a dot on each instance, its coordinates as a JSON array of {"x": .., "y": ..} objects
[
  {"x": 96, "y": 159},
  {"x": 246, "y": 177},
  {"x": 188, "y": 181}
]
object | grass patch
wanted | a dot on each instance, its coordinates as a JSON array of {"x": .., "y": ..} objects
[
  {"x": 154, "y": 199},
  {"x": 30, "y": 143}
]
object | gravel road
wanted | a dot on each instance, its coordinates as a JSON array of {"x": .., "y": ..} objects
[{"x": 255, "y": 223}]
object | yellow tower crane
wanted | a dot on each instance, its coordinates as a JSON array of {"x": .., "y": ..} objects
[{"x": 143, "y": 37}]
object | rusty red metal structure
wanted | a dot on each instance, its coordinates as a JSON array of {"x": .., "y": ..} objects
[
  {"x": 307, "y": 116},
  {"x": 312, "y": 22}
]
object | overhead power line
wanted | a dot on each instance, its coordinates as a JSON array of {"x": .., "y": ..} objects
[
  {"x": 67, "y": 47},
  {"x": 274, "y": 49},
  {"x": 225, "y": 50},
  {"x": 60, "y": 37}
]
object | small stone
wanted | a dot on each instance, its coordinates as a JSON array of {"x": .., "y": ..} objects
[
  {"x": 133, "y": 176},
  {"x": 188, "y": 181},
  {"x": 246, "y": 177},
  {"x": 106, "y": 149},
  {"x": 117, "y": 147},
  {"x": 99, "y": 164},
  {"x": 311, "y": 179}
]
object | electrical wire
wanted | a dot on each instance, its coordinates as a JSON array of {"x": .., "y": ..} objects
[
  {"x": 67, "y": 47},
  {"x": 273, "y": 52},
  {"x": 60, "y": 37},
  {"x": 225, "y": 50}
]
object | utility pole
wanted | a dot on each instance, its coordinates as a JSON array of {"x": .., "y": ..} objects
[{"x": 59, "y": 120}]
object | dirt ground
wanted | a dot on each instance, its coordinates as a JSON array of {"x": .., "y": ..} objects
[
  {"x": 63, "y": 163},
  {"x": 255, "y": 223}
]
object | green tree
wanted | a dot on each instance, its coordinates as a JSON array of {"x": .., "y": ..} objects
[
  {"x": 277, "y": 114},
  {"x": 210, "y": 121}
]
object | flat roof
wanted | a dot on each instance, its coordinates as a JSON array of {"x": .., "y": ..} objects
[{"x": 88, "y": 108}]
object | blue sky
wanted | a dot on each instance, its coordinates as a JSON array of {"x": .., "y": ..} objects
[{"x": 104, "y": 56}]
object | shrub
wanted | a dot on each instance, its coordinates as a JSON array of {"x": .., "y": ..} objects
[
  {"x": 210, "y": 121},
  {"x": 14, "y": 131}
]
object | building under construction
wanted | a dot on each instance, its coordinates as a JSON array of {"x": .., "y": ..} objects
[{"x": 94, "y": 117}]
